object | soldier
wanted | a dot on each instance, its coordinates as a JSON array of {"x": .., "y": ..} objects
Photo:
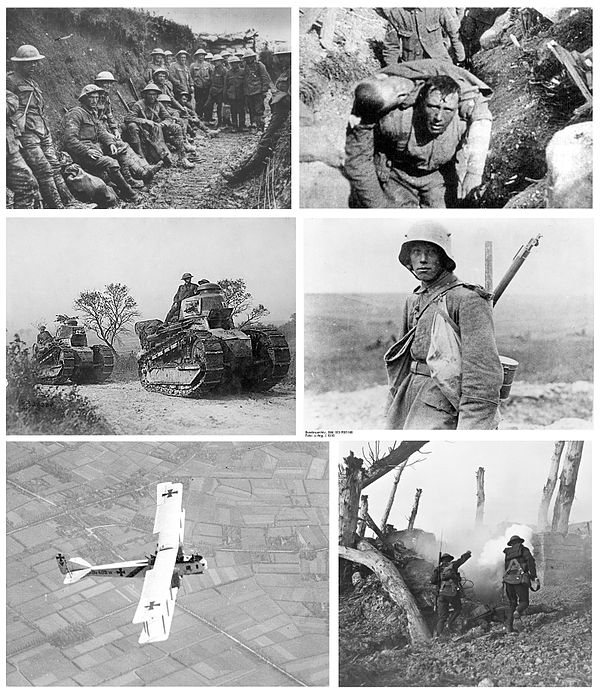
[
  {"x": 519, "y": 572},
  {"x": 185, "y": 290},
  {"x": 256, "y": 85},
  {"x": 168, "y": 58},
  {"x": 161, "y": 80},
  {"x": 85, "y": 138},
  {"x": 157, "y": 60},
  {"x": 215, "y": 93},
  {"x": 19, "y": 177},
  {"x": 234, "y": 94},
  {"x": 178, "y": 116},
  {"x": 200, "y": 72},
  {"x": 43, "y": 337},
  {"x": 226, "y": 55},
  {"x": 449, "y": 590},
  {"x": 105, "y": 80},
  {"x": 401, "y": 150},
  {"x": 456, "y": 389},
  {"x": 179, "y": 74},
  {"x": 414, "y": 33},
  {"x": 36, "y": 140},
  {"x": 148, "y": 121}
]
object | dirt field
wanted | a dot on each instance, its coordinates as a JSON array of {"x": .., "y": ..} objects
[
  {"x": 533, "y": 406},
  {"x": 131, "y": 410}
]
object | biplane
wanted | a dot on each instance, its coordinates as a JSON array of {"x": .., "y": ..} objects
[{"x": 163, "y": 571}]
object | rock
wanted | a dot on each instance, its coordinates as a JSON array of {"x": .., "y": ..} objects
[
  {"x": 569, "y": 160},
  {"x": 492, "y": 37},
  {"x": 486, "y": 682}
]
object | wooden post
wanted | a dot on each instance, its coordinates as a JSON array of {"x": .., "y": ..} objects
[
  {"x": 393, "y": 583},
  {"x": 390, "y": 501},
  {"x": 362, "y": 515},
  {"x": 548, "y": 490},
  {"x": 415, "y": 508},
  {"x": 480, "y": 477},
  {"x": 350, "y": 480},
  {"x": 566, "y": 489},
  {"x": 489, "y": 266}
]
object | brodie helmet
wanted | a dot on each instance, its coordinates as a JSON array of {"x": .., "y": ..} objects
[
  {"x": 430, "y": 232},
  {"x": 515, "y": 539},
  {"x": 446, "y": 557},
  {"x": 90, "y": 89}
]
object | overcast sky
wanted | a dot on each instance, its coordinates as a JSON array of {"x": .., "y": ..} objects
[
  {"x": 271, "y": 23},
  {"x": 515, "y": 473},
  {"x": 51, "y": 261},
  {"x": 360, "y": 255}
]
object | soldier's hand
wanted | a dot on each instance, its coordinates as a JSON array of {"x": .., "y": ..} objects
[
  {"x": 94, "y": 154},
  {"x": 113, "y": 149}
]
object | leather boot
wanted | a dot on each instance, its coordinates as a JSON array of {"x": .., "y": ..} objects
[
  {"x": 184, "y": 162},
  {"x": 66, "y": 196},
  {"x": 151, "y": 171},
  {"x": 126, "y": 171},
  {"x": 50, "y": 195},
  {"x": 123, "y": 188}
]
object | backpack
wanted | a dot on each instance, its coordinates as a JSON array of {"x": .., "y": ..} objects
[
  {"x": 514, "y": 574},
  {"x": 449, "y": 581}
]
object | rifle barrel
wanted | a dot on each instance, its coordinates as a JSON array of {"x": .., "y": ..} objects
[{"x": 515, "y": 266}]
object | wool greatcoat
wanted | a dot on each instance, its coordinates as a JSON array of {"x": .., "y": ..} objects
[{"x": 417, "y": 402}]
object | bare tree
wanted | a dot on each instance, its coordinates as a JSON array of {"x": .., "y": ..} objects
[
  {"x": 363, "y": 512},
  {"x": 480, "y": 477},
  {"x": 240, "y": 300},
  {"x": 549, "y": 487},
  {"x": 415, "y": 509},
  {"x": 108, "y": 313},
  {"x": 566, "y": 490}
]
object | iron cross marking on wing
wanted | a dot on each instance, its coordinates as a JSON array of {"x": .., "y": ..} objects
[
  {"x": 169, "y": 493},
  {"x": 120, "y": 572},
  {"x": 152, "y": 605}
]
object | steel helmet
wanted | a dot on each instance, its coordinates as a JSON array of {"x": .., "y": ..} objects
[
  {"x": 209, "y": 56},
  {"x": 515, "y": 539},
  {"x": 431, "y": 232},
  {"x": 27, "y": 54},
  {"x": 446, "y": 557},
  {"x": 184, "y": 92},
  {"x": 164, "y": 97},
  {"x": 151, "y": 87},
  {"x": 168, "y": 52},
  {"x": 160, "y": 71},
  {"x": 90, "y": 89},
  {"x": 41, "y": 327},
  {"x": 218, "y": 56},
  {"x": 105, "y": 76},
  {"x": 200, "y": 51},
  {"x": 234, "y": 59},
  {"x": 181, "y": 52},
  {"x": 157, "y": 51},
  {"x": 186, "y": 276},
  {"x": 249, "y": 53},
  {"x": 226, "y": 52},
  {"x": 240, "y": 53}
]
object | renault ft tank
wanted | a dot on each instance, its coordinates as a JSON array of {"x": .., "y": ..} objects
[
  {"x": 202, "y": 351},
  {"x": 68, "y": 358}
]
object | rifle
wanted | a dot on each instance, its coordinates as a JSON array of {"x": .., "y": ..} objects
[
  {"x": 439, "y": 580},
  {"x": 518, "y": 260},
  {"x": 122, "y": 100},
  {"x": 133, "y": 89}
]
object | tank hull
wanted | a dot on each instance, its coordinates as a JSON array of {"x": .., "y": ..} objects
[{"x": 59, "y": 365}]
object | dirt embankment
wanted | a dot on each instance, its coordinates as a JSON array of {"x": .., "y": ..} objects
[
  {"x": 79, "y": 43},
  {"x": 131, "y": 410}
]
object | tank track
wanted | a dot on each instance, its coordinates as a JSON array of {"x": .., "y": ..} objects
[
  {"x": 108, "y": 363},
  {"x": 213, "y": 357},
  {"x": 271, "y": 358},
  {"x": 68, "y": 366}
]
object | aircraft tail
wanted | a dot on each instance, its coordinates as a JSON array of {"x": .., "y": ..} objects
[{"x": 73, "y": 569}]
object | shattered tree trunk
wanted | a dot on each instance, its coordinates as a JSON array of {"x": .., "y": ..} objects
[
  {"x": 393, "y": 583},
  {"x": 362, "y": 515},
  {"x": 392, "y": 460},
  {"x": 480, "y": 477},
  {"x": 566, "y": 490},
  {"x": 415, "y": 508},
  {"x": 390, "y": 502},
  {"x": 549, "y": 487},
  {"x": 350, "y": 482}
]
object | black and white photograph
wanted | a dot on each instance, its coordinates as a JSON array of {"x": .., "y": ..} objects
[
  {"x": 465, "y": 564},
  {"x": 453, "y": 324},
  {"x": 445, "y": 107},
  {"x": 167, "y": 326},
  {"x": 167, "y": 564},
  {"x": 148, "y": 108}
]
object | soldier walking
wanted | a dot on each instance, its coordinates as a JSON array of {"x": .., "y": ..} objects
[
  {"x": 449, "y": 594},
  {"x": 519, "y": 572}
]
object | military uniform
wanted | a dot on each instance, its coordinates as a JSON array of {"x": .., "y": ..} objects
[
  {"x": 234, "y": 96},
  {"x": 165, "y": 126},
  {"x": 449, "y": 600},
  {"x": 519, "y": 569},
  {"x": 84, "y": 137},
  {"x": 37, "y": 146},
  {"x": 215, "y": 94},
  {"x": 201, "y": 77},
  {"x": 149, "y": 72},
  {"x": 183, "y": 292},
  {"x": 19, "y": 177},
  {"x": 418, "y": 32},
  {"x": 106, "y": 115},
  {"x": 180, "y": 77},
  {"x": 256, "y": 86}
]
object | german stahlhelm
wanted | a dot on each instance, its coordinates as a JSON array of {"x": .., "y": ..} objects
[
  {"x": 151, "y": 87},
  {"x": 186, "y": 276},
  {"x": 157, "y": 51},
  {"x": 515, "y": 539},
  {"x": 105, "y": 76},
  {"x": 430, "y": 232},
  {"x": 90, "y": 89},
  {"x": 27, "y": 54}
]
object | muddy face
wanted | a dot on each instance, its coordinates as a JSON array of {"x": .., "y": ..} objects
[
  {"x": 439, "y": 111},
  {"x": 426, "y": 261}
]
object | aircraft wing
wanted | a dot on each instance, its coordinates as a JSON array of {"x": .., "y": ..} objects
[{"x": 161, "y": 583}]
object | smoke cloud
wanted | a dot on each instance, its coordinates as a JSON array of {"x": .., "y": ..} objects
[{"x": 491, "y": 554}]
